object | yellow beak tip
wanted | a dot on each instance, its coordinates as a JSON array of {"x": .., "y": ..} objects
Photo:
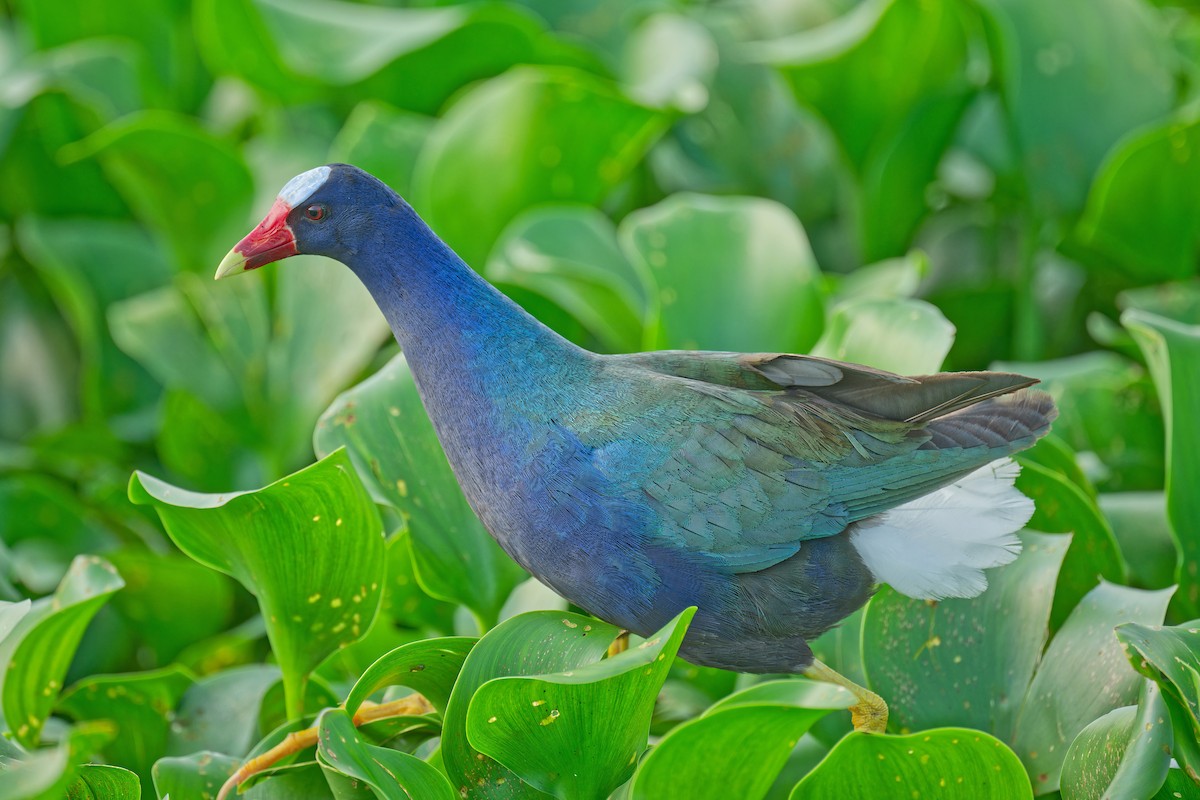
[{"x": 231, "y": 264}]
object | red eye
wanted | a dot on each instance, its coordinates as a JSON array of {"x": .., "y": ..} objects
[{"x": 315, "y": 212}]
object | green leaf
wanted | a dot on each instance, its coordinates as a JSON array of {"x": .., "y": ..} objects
[
  {"x": 384, "y": 141},
  {"x": 199, "y": 775},
  {"x": 309, "y": 546},
  {"x": 1139, "y": 522},
  {"x": 1172, "y": 351},
  {"x": 100, "y": 782},
  {"x": 392, "y": 775},
  {"x": 536, "y": 643},
  {"x": 395, "y": 449},
  {"x": 1072, "y": 91},
  {"x": 892, "y": 124},
  {"x": 220, "y": 712},
  {"x": 739, "y": 745},
  {"x": 554, "y": 135},
  {"x": 429, "y": 666},
  {"x": 1062, "y": 507},
  {"x": 140, "y": 705},
  {"x": 570, "y": 255},
  {"x": 576, "y": 733},
  {"x": 40, "y": 647},
  {"x": 1171, "y": 658},
  {"x": 951, "y": 763},
  {"x": 909, "y": 337},
  {"x": 729, "y": 273},
  {"x": 173, "y": 173},
  {"x": 1152, "y": 241},
  {"x": 925, "y": 659},
  {"x": 669, "y": 63},
  {"x": 1122, "y": 754},
  {"x": 1082, "y": 675},
  {"x": 45, "y": 774}
]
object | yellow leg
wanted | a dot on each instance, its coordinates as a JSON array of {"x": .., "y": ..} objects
[
  {"x": 869, "y": 714},
  {"x": 619, "y": 645}
]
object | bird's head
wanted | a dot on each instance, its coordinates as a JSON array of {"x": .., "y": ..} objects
[{"x": 326, "y": 211}]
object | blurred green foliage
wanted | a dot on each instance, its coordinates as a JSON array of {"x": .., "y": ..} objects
[{"x": 913, "y": 184}]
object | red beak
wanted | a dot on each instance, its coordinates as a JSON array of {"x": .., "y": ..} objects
[{"x": 270, "y": 241}]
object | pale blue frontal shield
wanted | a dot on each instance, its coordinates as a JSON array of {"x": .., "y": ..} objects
[{"x": 301, "y": 187}]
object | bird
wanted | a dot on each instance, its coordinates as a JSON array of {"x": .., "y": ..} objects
[{"x": 771, "y": 491}]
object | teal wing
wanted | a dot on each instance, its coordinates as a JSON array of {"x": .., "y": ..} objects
[{"x": 744, "y": 457}]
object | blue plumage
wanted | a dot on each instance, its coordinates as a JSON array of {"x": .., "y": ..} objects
[{"x": 638, "y": 485}]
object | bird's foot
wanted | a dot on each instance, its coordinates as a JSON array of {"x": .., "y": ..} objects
[{"x": 869, "y": 714}]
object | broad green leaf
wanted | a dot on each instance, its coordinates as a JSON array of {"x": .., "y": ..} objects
[
  {"x": 1151, "y": 241},
  {"x": 951, "y": 763},
  {"x": 927, "y": 661},
  {"x": 429, "y": 666},
  {"x": 191, "y": 187},
  {"x": 1082, "y": 675},
  {"x": 220, "y": 712},
  {"x": 1172, "y": 351},
  {"x": 892, "y": 124},
  {"x": 393, "y": 445},
  {"x": 309, "y": 546},
  {"x": 1125, "y": 753},
  {"x": 536, "y": 644},
  {"x": 554, "y": 135},
  {"x": 1062, "y": 507},
  {"x": 45, "y": 774},
  {"x": 392, "y": 775},
  {"x": 909, "y": 337},
  {"x": 141, "y": 706},
  {"x": 1139, "y": 522},
  {"x": 569, "y": 254},
  {"x": 199, "y": 775},
  {"x": 669, "y": 63},
  {"x": 1171, "y": 658},
  {"x": 39, "y": 649},
  {"x": 1072, "y": 91},
  {"x": 576, "y": 733},
  {"x": 1179, "y": 786},
  {"x": 892, "y": 278},
  {"x": 728, "y": 273},
  {"x": 384, "y": 141},
  {"x": 101, "y": 782},
  {"x": 739, "y": 745}
]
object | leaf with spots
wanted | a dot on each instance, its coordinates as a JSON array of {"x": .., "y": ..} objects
[
  {"x": 140, "y": 705},
  {"x": 309, "y": 546},
  {"x": 103, "y": 782},
  {"x": 1171, "y": 658},
  {"x": 738, "y": 746},
  {"x": 429, "y": 666},
  {"x": 946, "y": 763},
  {"x": 391, "y": 774},
  {"x": 704, "y": 255},
  {"x": 46, "y": 773},
  {"x": 1125, "y": 753},
  {"x": 41, "y": 645},
  {"x": 1082, "y": 675},
  {"x": 198, "y": 775},
  {"x": 575, "y": 733},
  {"x": 396, "y": 451}
]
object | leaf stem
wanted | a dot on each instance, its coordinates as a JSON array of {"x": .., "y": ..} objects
[{"x": 413, "y": 705}]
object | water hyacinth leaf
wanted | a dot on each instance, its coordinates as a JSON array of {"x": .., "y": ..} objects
[
  {"x": 141, "y": 706},
  {"x": 197, "y": 775},
  {"x": 393, "y": 445},
  {"x": 384, "y": 141},
  {"x": 537, "y": 643},
  {"x": 1072, "y": 91},
  {"x": 951, "y": 763},
  {"x": 1172, "y": 351},
  {"x": 1156, "y": 241},
  {"x": 893, "y": 125},
  {"x": 1062, "y": 507},
  {"x": 309, "y": 546},
  {"x": 46, "y": 773},
  {"x": 554, "y": 136},
  {"x": 576, "y": 733},
  {"x": 1083, "y": 675},
  {"x": 1124, "y": 753},
  {"x": 687, "y": 246},
  {"x": 429, "y": 666},
  {"x": 172, "y": 172},
  {"x": 220, "y": 712},
  {"x": 1140, "y": 525},
  {"x": 927, "y": 658},
  {"x": 669, "y": 62},
  {"x": 908, "y": 337},
  {"x": 391, "y": 774},
  {"x": 708, "y": 757},
  {"x": 570, "y": 255},
  {"x": 1171, "y": 658},
  {"x": 103, "y": 782},
  {"x": 39, "y": 649}
]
